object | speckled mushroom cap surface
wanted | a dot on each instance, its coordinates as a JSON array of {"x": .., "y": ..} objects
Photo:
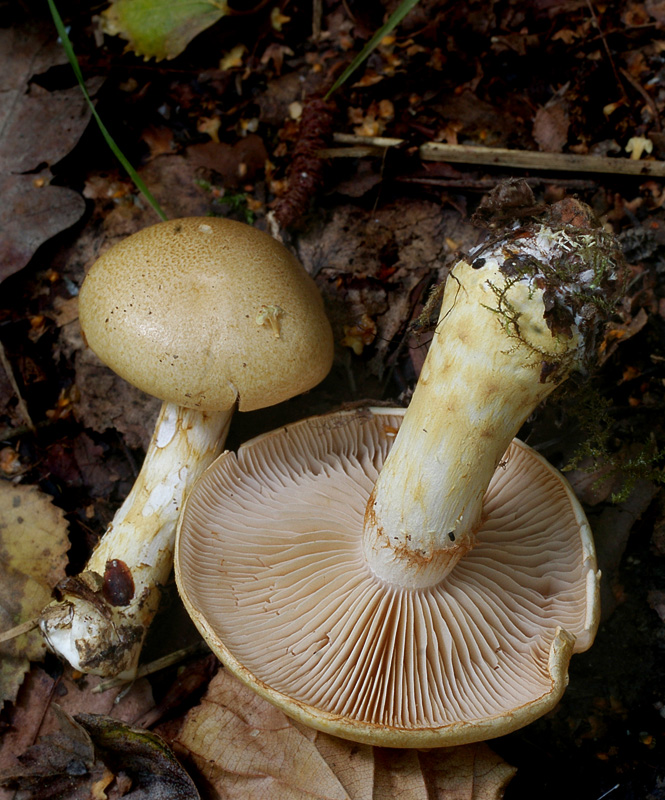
[
  {"x": 204, "y": 312},
  {"x": 270, "y": 566}
]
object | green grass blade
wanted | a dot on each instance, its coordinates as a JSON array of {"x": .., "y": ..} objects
[
  {"x": 69, "y": 50},
  {"x": 394, "y": 20}
]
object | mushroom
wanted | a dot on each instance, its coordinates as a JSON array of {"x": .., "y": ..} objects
[
  {"x": 418, "y": 578},
  {"x": 206, "y": 314}
]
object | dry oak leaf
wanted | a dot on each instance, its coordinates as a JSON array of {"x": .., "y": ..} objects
[
  {"x": 245, "y": 748},
  {"x": 33, "y": 556}
]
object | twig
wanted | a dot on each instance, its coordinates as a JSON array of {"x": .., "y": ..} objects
[
  {"x": 606, "y": 47},
  {"x": 361, "y": 146},
  {"x": 651, "y": 103},
  {"x": 484, "y": 185},
  {"x": 22, "y": 407},
  {"x": 19, "y": 630},
  {"x": 154, "y": 666},
  {"x": 317, "y": 14}
]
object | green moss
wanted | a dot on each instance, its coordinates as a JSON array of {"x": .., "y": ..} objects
[
  {"x": 226, "y": 203},
  {"x": 602, "y": 448}
]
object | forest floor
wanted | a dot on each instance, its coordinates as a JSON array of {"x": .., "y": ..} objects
[{"x": 212, "y": 132}]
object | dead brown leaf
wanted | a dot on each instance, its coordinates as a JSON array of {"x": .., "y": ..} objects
[
  {"x": 32, "y": 209},
  {"x": 74, "y": 762},
  {"x": 30, "y": 215},
  {"x": 244, "y": 747},
  {"x": 550, "y": 126},
  {"x": 156, "y": 773},
  {"x": 59, "y": 765},
  {"x": 24, "y": 719},
  {"x": 473, "y": 772},
  {"x": 617, "y": 332},
  {"x": 32, "y": 718},
  {"x": 372, "y": 264},
  {"x": 235, "y": 164},
  {"x": 656, "y": 9}
]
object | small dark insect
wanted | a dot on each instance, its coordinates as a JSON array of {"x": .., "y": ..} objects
[
  {"x": 478, "y": 263},
  {"x": 118, "y": 588}
]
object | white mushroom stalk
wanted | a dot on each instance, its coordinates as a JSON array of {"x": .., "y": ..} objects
[
  {"x": 101, "y": 617},
  {"x": 514, "y": 322},
  {"x": 208, "y": 315}
]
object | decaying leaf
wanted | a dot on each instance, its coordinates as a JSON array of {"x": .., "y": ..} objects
[
  {"x": 473, "y": 772},
  {"x": 24, "y": 719},
  {"x": 33, "y": 717},
  {"x": 156, "y": 773},
  {"x": 154, "y": 29},
  {"x": 60, "y": 764},
  {"x": 550, "y": 126},
  {"x": 244, "y": 747},
  {"x": 38, "y": 128},
  {"x": 87, "y": 752},
  {"x": 33, "y": 544}
]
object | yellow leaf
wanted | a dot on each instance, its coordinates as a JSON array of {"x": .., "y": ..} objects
[
  {"x": 33, "y": 547},
  {"x": 159, "y": 29}
]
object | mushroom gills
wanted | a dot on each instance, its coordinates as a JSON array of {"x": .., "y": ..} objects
[{"x": 270, "y": 565}]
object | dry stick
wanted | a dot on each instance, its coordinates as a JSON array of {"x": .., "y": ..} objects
[
  {"x": 361, "y": 146},
  {"x": 317, "y": 14},
  {"x": 154, "y": 666},
  {"x": 486, "y": 184},
  {"x": 19, "y": 630},
  {"x": 606, "y": 47},
  {"x": 651, "y": 103},
  {"x": 22, "y": 407}
]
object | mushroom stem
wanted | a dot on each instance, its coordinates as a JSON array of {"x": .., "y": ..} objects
[
  {"x": 100, "y": 619},
  {"x": 498, "y": 351}
]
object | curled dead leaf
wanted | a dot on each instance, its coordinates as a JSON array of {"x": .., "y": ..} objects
[{"x": 244, "y": 747}]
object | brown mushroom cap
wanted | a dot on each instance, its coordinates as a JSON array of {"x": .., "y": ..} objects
[
  {"x": 269, "y": 563},
  {"x": 205, "y": 311}
]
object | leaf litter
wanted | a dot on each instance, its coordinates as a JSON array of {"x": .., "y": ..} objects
[
  {"x": 33, "y": 545},
  {"x": 34, "y": 209},
  {"x": 378, "y": 231}
]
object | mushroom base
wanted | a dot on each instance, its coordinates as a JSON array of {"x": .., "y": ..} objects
[{"x": 269, "y": 562}]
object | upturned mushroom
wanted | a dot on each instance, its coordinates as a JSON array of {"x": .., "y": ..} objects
[
  {"x": 419, "y": 579},
  {"x": 207, "y": 315}
]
